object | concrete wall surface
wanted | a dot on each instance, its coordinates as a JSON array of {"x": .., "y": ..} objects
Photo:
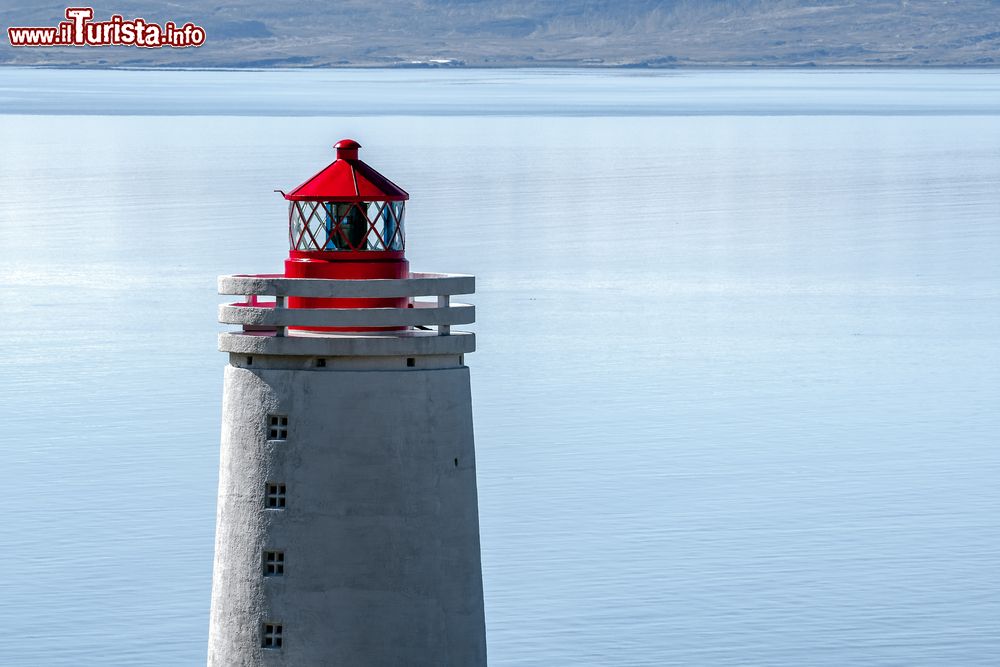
[{"x": 379, "y": 529}]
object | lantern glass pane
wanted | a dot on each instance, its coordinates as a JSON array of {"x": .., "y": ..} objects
[
  {"x": 305, "y": 225},
  {"x": 376, "y": 213},
  {"x": 295, "y": 224},
  {"x": 394, "y": 239}
]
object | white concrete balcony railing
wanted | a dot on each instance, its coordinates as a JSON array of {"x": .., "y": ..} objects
[{"x": 422, "y": 327}]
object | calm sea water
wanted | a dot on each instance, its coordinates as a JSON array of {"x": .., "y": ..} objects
[{"x": 736, "y": 392}]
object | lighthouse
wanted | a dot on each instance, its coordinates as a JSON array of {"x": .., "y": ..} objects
[{"x": 347, "y": 526}]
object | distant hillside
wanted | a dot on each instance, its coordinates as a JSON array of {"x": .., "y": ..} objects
[{"x": 497, "y": 33}]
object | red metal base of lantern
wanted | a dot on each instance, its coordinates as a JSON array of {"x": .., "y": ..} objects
[{"x": 347, "y": 266}]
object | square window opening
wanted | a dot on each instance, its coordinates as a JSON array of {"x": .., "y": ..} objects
[
  {"x": 274, "y": 563},
  {"x": 277, "y": 427},
  {"x": 272, "y": 635},
  {"x": 275, "y": 497}
]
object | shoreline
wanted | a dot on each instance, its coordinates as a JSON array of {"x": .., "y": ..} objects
[{"x": 585, "y": 67}]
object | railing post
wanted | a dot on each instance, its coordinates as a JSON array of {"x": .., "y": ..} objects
[
  {"x": 444, "y": 301},
  {"x": 279, "y": 302}
]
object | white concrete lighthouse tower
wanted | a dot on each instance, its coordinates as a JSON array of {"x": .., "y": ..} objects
[{"x": 348, "y": 526}]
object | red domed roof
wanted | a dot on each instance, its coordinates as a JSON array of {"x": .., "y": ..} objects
[{"x": 348, "y": 179}]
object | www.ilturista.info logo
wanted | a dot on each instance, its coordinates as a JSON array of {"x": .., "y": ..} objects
[{"x": 79, "y": 30}]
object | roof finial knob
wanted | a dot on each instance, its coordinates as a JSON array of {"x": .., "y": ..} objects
[{"x": 347, "y": 149}]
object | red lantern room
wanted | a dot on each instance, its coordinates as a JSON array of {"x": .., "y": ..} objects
[{"x": 346, "y": 222}]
